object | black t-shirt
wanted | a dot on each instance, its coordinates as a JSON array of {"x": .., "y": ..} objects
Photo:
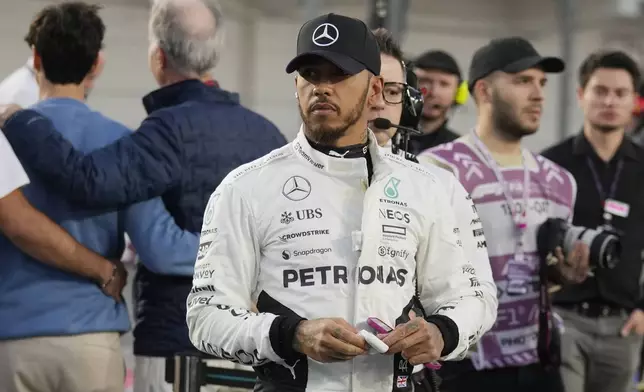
[{"x": 420, "y": 143}]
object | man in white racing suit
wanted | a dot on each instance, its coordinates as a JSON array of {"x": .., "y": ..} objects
[
  {"x": 396, "y": 105},
  {"x": 327, "y": 232}
]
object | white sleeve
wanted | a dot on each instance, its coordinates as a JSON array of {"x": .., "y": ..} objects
[
  {"x": 445, "y": 283},
  {"x": 218, "y": 316},
  {"x": 12, "y": 175},
  {"x": 20, "y": 88},
  {"x": 472, "y": 237}
]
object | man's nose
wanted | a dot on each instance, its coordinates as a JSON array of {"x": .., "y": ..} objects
[
  {"x": 378, "y": 104},
  {"x": 610, "y": 100},
  {"x": 322, "y": 89},
  {"x": 538, "y": 93}
]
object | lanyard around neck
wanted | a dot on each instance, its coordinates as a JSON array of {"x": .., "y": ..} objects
[
  {"x": 518, "y": 216},
  {"x": 598, "y": 183}
]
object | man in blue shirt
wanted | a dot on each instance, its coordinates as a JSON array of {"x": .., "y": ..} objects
[{"x": 59, "y": 331}]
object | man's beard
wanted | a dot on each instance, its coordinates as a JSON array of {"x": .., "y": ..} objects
[
  {"x": 442, "y": 114},
  {"x": 326, "y": 135},
  {"x": 603, "y": 128},
  {"x": 505, "y": 120}
]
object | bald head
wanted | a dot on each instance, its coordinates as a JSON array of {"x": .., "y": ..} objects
[
  {"x": 189, "y": 32},
  {"x": 195, "y": 17}
]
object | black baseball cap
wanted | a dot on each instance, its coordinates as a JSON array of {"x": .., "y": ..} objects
[
  {"x": 346, "y": 42},
  {"x": 511, "y": 55},
  {"x": 438, "y": 60}
]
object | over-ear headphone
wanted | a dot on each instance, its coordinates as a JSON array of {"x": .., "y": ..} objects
[
  {"x": 413, "y": 100},
  {"x": 440, "y": 60},
  {"x": 462, "y": 94}
]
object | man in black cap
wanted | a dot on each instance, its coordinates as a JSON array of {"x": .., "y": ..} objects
[
  {"x": 439, "y": 77},
  {"x": 330, "y": 235},
  {"x": 514, "y": 191}
]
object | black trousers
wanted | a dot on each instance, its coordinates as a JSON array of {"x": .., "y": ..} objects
[{"x": 462, "y": 377}]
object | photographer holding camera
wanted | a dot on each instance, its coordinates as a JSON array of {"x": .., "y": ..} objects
[{"x": 602, "y": 316}]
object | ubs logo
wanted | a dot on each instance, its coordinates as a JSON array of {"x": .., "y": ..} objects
[
  {"x": 309, "y": 213},
  {"x": 395, "y": 215}
]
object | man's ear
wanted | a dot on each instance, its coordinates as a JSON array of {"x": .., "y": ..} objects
[
  {"x": 377, "y": 85},
  {"x": 482, "y": 91},
  {"x": 580, "y": 95},
  {"x": 97, "y": 68},
  {"x": 37, "y": 60},
  {"x": 95, "y": 72},
  {"x": 99, "y": 65},
  {"x": 162, "y": 58}
]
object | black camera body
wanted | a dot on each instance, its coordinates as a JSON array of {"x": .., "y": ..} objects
[{"x": 604, "y": 243}]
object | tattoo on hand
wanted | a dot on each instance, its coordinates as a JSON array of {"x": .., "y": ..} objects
[
  {"x": 309, "y": 341},
  {"x": 412, "y": 327}
]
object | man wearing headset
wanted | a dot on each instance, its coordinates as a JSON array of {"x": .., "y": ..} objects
[
  {"x": 402, "y": 104},
  {"x": 439, "y": 78}
]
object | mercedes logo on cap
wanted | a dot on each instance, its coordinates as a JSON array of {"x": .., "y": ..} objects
[
  {"x": 325, "y": 34},
  {"x": 296, "y": 188}
]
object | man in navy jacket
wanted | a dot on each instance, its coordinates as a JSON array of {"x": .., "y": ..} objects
[{"x": 194, "y": 136}]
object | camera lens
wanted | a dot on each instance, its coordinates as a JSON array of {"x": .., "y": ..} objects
[
  {"x": 608, "y": 250},
  {"x": 605, "y": 247}
]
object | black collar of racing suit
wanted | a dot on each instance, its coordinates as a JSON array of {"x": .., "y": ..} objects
[
  {"x": 353, "y": 151},
  {"x": 349, "y": 152}
]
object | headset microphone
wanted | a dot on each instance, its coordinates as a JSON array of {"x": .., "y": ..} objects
[
  {"x": 383, "y": 123},
  {"x": 400, "y": 141}
]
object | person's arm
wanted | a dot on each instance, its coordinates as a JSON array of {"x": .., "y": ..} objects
[
  {"x": 471, "y": 234},
  {"x": 135, "y": 168},
  {"x": 472, "y": 238},
  {"x": 452, "y": 296},
  {"x": 41, "y": 238},
  {"x": 162, "y": 246},
  {"x": 219, "y": 320}
]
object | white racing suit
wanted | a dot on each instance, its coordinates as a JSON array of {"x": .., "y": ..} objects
[{"x": 307, "y": 235}]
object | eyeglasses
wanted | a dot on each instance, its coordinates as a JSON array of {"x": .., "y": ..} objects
[{"x": 393, "y": 92}]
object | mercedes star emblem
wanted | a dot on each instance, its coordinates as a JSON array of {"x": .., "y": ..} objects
[
  {"x": 296, "y": 188},
  {"x": 325, "y": 34}
]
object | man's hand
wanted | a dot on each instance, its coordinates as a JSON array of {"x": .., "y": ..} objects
[
  {"x": 635, "y": 323},
  {"x": 574, "y": 268},
  {"x": 113, "y": 280},
  {"x": 329, "y": 340},
  {"x": 7, "y": 111},
  {"x": 418, "y": 340}
]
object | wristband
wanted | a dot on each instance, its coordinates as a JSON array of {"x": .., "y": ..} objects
[{"x": 111, "y": 278}]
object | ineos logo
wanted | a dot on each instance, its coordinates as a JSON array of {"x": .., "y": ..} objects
[
  {"x": 395, "y": 215},
  {"x": 296, "y": 188}
]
